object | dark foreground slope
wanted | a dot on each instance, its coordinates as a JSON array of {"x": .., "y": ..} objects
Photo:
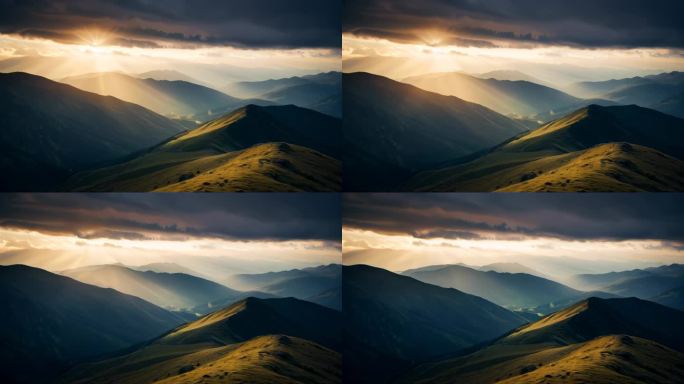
[
  {"x": 390, "y": 319},
  {"x": 392, "y": 130},
  {"x": 51, "y": 322},
  {"x": 51, "y": 130}
]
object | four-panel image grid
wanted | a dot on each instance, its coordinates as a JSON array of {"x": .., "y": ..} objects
[{"x": 396, "y": 191}]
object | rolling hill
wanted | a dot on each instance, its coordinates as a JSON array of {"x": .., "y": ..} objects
[
  {"x": 51, "y": 322},
  {"x": 177, "y": 291},
  {"x": 673, "y": 298},
  {"x": 608, "y": 341},
  {"x": 277, "y": 148},
  {"x": 399, "y": 319},
  {"x": 392, "y": 130},
  {"x": 236, "y": 341},
  {"x": 320, "y": 92},
  {"x": 626, "y": 148},
  {"x": 170, "y": 98},
  {"x": 51, "y": 130},
  {"x": 320, "y": 284},
  {"x": 510, "y": 290},
  {"x": 518, "y": 98}
]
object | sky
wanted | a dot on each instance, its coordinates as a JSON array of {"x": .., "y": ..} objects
[
  {"x": 556, "y": 234},
  {"x": 253, "y": 39},
  {"x": 214, "y": 234},
  {"x": 554, "y": 40}
]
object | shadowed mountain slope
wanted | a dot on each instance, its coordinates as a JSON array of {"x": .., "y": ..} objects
[
  {"x": 399, "y": 319},
  {"x": 51, "y": 130},
  {"x": 392, "y": 130},
  {"x": 51, "y": 321}
]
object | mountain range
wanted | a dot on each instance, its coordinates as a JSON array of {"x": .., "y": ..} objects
[
  {"x": 173, "y": 291},
  {"x": 321, "y": 285},
  {"x": 320, "y": 92},
  {"x": 258, "y": 340},
  {"x": 510, "y": 290},
  {"x": 518, "y": 98},
  {"x": 392, "y": 130},
  {"x": 176, "y": 98}
]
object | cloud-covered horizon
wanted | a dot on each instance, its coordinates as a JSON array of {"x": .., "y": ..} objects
[
  {"x": 473, "y": 23},
  {"x": 591, "y": 217},
  {"x": 241, "y": 217},
  {"x": 252, "y": 24}
]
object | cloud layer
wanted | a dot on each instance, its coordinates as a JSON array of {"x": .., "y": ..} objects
[
  {"x": 274, "y": 217},
  {"x": 610, "y": 217},
  {"x": 583, "y": 23},
  {"x": 148, "y": 24}
]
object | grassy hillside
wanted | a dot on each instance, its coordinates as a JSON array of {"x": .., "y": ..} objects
[
  {"x": 273, "y": 339},
  {"x": 595, "y": 340},
  {"x": 252, "y": 149},
  {"x": 595, "y": 149},
  {"x": 605, "y": 360},
  {"x": 51, "y": 130},
  {"x": 392, "y": 130},
  {"x": 51, "y": 321},
  {"x": 263, "y": 359}
]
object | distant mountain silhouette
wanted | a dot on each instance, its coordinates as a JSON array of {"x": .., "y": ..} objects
[
  {"x": 320, "y": 92},
  {"x": 518, "y": 98},
  {"x": 673, "y": 298},
  {"x": 318, "y": 284},
  {"x": 642, "y": 283},
  {"x": 51, "y": 130},
  {"x": 392, "y": 130},
  {"x": 170, "y": 98},
  {"x": 51, "y": 321},
  {"x": 277, "y": 148},
  {"x": 176, "y": 291},
  {"x": 511, "y": 290}
]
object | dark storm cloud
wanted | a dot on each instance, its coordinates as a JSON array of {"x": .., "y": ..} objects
[
  {"x": 584, "y": 23},
  {"x": 145, "y": 23},
  {"x": 142, "y": 216},
  {"x": 568, "y": 216}
]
